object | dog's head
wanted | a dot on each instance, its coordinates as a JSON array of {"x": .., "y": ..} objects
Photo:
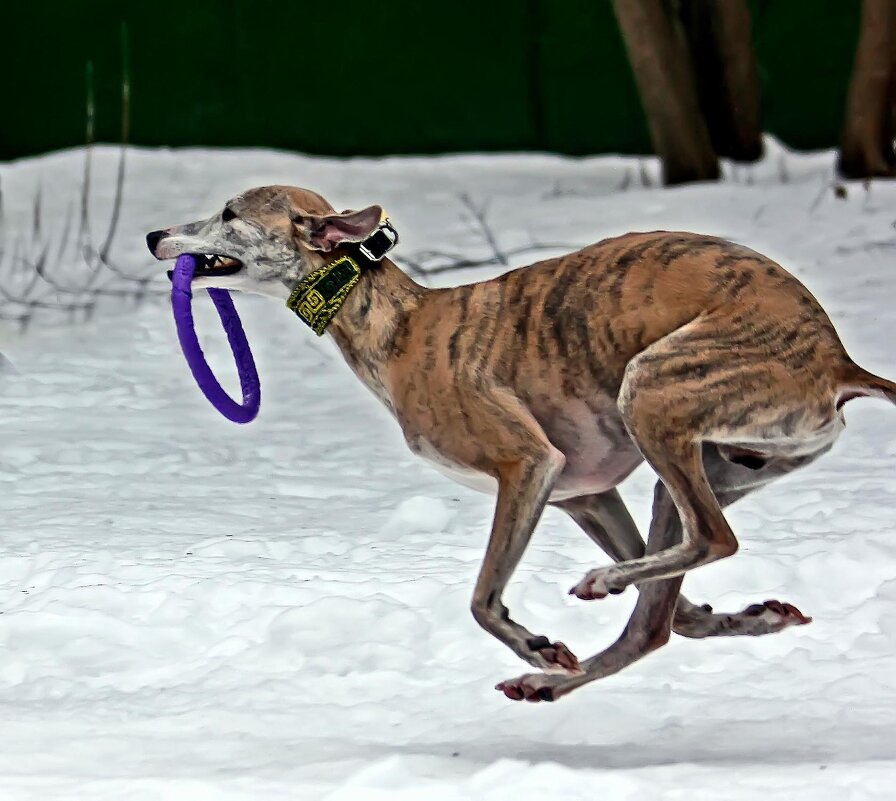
[{"x": 265, "y": 240}]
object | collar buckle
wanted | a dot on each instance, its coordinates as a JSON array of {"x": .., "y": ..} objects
[{"x": 380, "y": 242}]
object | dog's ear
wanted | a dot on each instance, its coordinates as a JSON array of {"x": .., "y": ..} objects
[{"x": 329, "y": 231}]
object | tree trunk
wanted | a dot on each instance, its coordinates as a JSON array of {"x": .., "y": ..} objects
[
  {"x": 866, "y": 146},
  {"x": 721, "y": 47},
  {"x": 665, "y": 80}
]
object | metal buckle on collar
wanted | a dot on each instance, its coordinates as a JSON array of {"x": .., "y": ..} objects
[{"x": 380, "y": 242}]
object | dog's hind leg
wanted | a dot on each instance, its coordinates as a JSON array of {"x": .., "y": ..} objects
[
  {"x": 607, "y": 522},
  {"x": 658, "y": 609},
  {"x": 604, "y": 518},
  {"x": 692, "y": 388}
]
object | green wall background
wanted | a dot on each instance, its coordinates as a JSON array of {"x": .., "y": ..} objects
[{"x": 346, "y": 77}]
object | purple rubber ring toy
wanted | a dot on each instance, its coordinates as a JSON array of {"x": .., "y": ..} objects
[{"x": 181, "y": 302}]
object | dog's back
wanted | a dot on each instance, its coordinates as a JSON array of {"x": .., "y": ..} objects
[{"x": 576, "y": 321}]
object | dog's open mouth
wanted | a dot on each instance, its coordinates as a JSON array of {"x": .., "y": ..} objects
[
  {"x": 216, "y": 264},
  {"x": 213, "y": 264}
]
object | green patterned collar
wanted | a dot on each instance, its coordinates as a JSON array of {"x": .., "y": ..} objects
[
  {"x": 318, "y": 296},
  {"x": 321, "y": 294}
]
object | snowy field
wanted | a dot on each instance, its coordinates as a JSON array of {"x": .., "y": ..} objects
[{"x": 191, "y": 609}]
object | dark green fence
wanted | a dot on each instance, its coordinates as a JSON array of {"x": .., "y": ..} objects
[{"x": 346, "y": 77}]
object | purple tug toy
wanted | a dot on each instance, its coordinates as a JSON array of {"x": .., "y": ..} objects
[{"x": 181, "y": 302}]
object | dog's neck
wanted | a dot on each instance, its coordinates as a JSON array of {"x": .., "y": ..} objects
[{"x": 368, "y": 327}]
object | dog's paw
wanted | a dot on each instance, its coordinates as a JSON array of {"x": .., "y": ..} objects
[
  {"x": 532, "y": 687},
  {"x": 553, "y": 657},
  {"x": 598, "y": 583},
  {"x": 772, "y": 616}
]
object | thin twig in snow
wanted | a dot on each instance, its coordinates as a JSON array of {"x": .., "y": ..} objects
[{"x": 480, "y": 216}]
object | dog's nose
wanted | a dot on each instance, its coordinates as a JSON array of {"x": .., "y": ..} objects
[{"x": 152, "y": 240}]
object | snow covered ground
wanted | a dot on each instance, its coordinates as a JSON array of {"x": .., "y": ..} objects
[{"x": 195, "y": 610}]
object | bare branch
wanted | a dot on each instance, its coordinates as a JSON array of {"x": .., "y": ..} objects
[
  {"x": 643, "y": 173},
  {"x": 480, "y": 213},
  {"x": 425, "y": 263},
  {"x": 88, "y": 153},
  {"x": 28, "y": 285},
  {"x": 819, "y": 197},
  {"x": 125, "y": 133},
  {"x": 465, "y": 263},
  {"x": 625, "y": 182}
]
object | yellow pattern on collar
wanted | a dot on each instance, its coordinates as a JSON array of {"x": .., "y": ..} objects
[{"x": 321, "y": 294}]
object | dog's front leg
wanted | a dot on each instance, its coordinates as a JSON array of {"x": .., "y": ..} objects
[
  {"x": 524, "y": 487},
  {"x": 647, "y": 630}
]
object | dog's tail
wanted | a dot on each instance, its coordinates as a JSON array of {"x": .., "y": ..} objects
[{"x": 856, "y": 382}]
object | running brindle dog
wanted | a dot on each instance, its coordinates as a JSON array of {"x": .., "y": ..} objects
[{"x": 551, "y": 383}]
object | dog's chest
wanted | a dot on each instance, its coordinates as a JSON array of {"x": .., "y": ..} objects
[{"x": 463, "y": 475}]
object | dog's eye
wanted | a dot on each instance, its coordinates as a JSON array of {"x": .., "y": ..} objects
[
  {"x": 227, "y": 215},
  {"x": 298, "y": 219}
]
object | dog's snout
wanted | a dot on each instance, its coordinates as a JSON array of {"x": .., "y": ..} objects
[{"x": 152, "y": 240}]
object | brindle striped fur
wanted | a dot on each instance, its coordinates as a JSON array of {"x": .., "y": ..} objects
[{"x": 551, "y": 383}]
